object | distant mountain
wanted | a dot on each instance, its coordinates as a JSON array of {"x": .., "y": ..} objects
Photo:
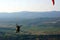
[
  {"x": 32, "y": 18},
  {"x": 30, "y": 15}
]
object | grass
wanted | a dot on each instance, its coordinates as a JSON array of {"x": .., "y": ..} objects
[
  {"x": 31, "y": 33},
  {"x": 33, "y": 30}
]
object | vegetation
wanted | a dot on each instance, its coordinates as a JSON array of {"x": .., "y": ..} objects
[{"x": 32, "y": 29}]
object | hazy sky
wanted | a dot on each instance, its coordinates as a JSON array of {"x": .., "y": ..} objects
[{"x": 28, "y": 5}]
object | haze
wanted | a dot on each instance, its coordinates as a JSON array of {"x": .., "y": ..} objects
[{"x": 28, "y": 5}]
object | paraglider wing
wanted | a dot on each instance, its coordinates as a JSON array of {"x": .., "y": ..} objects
[{"x": 53, "y": 1}]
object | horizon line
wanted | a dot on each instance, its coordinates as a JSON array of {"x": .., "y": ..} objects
[{"x": 27, "y": 11}]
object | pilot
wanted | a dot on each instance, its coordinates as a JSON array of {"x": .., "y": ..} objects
[{"x": 18, "y": 28}]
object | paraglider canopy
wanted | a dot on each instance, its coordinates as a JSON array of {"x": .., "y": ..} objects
[{"x": 53, "y": 2}]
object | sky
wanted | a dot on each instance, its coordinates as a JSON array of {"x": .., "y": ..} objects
[{"x": 28, "y": 5}]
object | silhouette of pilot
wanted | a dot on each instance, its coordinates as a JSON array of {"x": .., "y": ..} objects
[{"x": 18, "y": 28}]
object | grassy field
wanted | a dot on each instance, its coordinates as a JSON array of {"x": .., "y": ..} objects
[
  {"x": 33, "y": 30},
  {"x": 18, "y": 36},
  {"x": 30, "y": 33}
]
